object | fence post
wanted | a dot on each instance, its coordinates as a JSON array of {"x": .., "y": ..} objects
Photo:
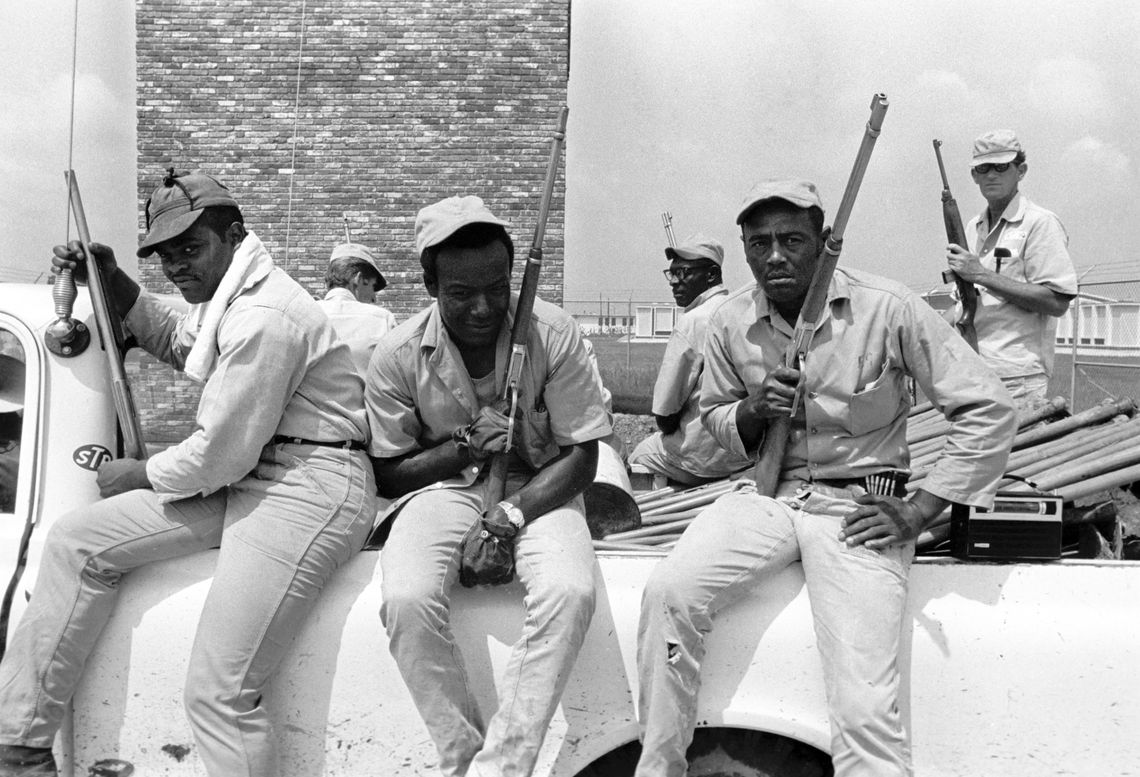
[{"x": 1076, "y": 309}]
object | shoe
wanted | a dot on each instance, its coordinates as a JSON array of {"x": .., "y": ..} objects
[{"x": 22, "y": 761}]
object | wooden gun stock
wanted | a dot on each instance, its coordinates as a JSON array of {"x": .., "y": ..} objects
[
  {"x": 956, "y": 233},
  {"x": 770, "y": 462},
  {"x": 497, "y": 476}
]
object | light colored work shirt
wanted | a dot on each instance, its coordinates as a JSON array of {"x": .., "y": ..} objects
[
  {"x": 280, "y": 370},
  {"x": 691, "y": 447},
  {"x": 418, "y": 390},
  {"x": 357, "y": 323},
  {"x": 1014, "y": 341},
  {"x": 874, "y": 334}
]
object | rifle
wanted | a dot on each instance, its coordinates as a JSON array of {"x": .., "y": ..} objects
[
  {"x": 956, "y": 233},
  {"x": 347, "y": 235},
  {"x": 497, "y": 475},
  {"x": 110, "y": 329},
  {"x": 667, "y": 219},
  {"x": 768, "y": 466}
]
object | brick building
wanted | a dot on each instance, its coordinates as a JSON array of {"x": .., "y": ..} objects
[{"x": 316, "y": 111}]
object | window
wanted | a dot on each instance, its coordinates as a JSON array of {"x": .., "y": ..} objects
[{"x": 12, "y": 385}]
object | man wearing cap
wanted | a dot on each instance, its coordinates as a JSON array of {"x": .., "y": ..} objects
[
  {"x": 431, "y": 394},
  {"x": 274, "y": 473},
  {"x": 353, "y": 279},
  {"x": 837, "y": 508},
  {"x": 682, "y": 450},
  {"x": 1020, "y": 262}
]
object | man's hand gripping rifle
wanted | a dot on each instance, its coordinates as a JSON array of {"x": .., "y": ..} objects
[
  {"x": 956, "y": 233},
  {"x": 767, "y": 473},
  {"x": 487, "y": 557}
]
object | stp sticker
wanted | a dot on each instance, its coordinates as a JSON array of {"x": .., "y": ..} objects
[{"x": 91, "y": 456}]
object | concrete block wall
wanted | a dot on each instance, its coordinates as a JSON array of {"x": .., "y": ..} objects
[{"x": 312, "y": 112}]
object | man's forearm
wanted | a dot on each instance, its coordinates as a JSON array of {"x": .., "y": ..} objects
[
  {"x": 1030, "y": 296},
  {"x": 559, "y": 481},
  {"x": 403, "y": 475},
  {"x": 124, "y": 291}
]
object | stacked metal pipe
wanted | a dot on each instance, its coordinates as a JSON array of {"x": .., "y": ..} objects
[{"x": 1072, "y": 456}]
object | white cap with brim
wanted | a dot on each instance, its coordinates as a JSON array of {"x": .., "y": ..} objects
[
  {"x": 439, "y": 221},
  {"x": 358, "y": 251},
  {"x": 177, "y": 203},
  {"x": 800, "y": 193},
  {"x": 11, "y": 384},
  {"x": 996, "y": 147},
  {"x": 697, "y": 247}
]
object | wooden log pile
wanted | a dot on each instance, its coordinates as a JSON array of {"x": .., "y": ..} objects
[{"x": 1089, "y": 459}]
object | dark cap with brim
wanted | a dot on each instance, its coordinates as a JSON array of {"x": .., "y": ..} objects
[{"x": 178, "y": 203}]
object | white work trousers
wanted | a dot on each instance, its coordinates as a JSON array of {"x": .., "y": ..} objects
[
  {"x": 283, "y": 530},
  {"x": 858, "y": 598},
  {"x": 554, "y": 560}
]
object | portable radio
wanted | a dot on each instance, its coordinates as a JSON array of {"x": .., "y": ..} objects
[{"x": 1019, "y": 527}]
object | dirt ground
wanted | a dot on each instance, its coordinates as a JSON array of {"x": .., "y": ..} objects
[{"x": 632, "y": 429}]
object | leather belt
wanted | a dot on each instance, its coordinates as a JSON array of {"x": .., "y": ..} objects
[{"x": 352, "y": 445}]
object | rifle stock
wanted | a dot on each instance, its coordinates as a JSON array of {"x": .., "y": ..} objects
[
  {"x": 110, "y": 330},
  {"x": 497, "y": 475},
  {"x": 775, "y": 443},
  {"x": 956, "y": 234}
]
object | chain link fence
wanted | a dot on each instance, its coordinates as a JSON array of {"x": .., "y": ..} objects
[{"x": 1098, "y": 345}]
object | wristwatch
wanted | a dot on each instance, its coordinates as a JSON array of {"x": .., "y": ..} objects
[{"x": 514, "y": 514}]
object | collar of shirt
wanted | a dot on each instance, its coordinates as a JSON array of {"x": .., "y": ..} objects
[
  {"x": 1013, "y": 213},
  {"x": 838, "y": 289},
  {"x": 436, "y": 342},
  {"x": 706, "y": 295},
  {"x": 340, "y": 293}
]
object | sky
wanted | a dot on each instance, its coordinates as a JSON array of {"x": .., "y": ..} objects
[
  {"x": 36, "y": 61},
  {"x": 681, "y": 105}
]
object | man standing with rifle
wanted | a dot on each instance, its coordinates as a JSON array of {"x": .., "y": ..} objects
[
  {"x": 1020, "y": 262},
  {"x": 433, "y": 394},
  {"x": 836, "y": 506}
]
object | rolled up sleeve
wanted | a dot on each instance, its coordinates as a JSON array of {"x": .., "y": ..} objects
[
  {"x": 721, "y": 389},
  {"x": 970, "y": 396}
]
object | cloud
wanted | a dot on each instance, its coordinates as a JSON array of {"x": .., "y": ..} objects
[{"x": 1104, "y": 159}]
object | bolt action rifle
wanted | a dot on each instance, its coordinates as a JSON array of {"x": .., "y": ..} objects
[
  {"x": 497, "y": 476},
  {"x": 956, "y": 233},
  {"x": 768, "y": 466},
  {"x": 110, "y": 328}
]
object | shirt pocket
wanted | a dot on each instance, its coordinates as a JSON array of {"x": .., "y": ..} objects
[
  {"x": 536, "y": 443},
  {"x": 877, "y": 405}
]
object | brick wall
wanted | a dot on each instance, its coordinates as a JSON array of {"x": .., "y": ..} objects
[{"x": 400, "y": 103}]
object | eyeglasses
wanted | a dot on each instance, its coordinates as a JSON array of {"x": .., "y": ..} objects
[
  {"x": 1000, "y": 167},
  {"x": 681, "y": 274}
]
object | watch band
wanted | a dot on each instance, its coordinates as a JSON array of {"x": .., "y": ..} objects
[{"x": 514, "y": 514}]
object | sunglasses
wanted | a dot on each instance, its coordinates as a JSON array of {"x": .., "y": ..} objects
[
  {"x": 1000, "y": 167},
  {"x": 682, "y": 274}
]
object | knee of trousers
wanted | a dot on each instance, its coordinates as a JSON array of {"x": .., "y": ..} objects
[
  {"x": 571, "y": 601},
  {"x": 409, "y": 604},
  {"x": 667, "y": 591},
  {"x": 208, "y": 703},
  {"x": 68, "y": 546}
]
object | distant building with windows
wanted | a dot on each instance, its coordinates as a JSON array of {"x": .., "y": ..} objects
[{"x": 644, "y": 320}]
